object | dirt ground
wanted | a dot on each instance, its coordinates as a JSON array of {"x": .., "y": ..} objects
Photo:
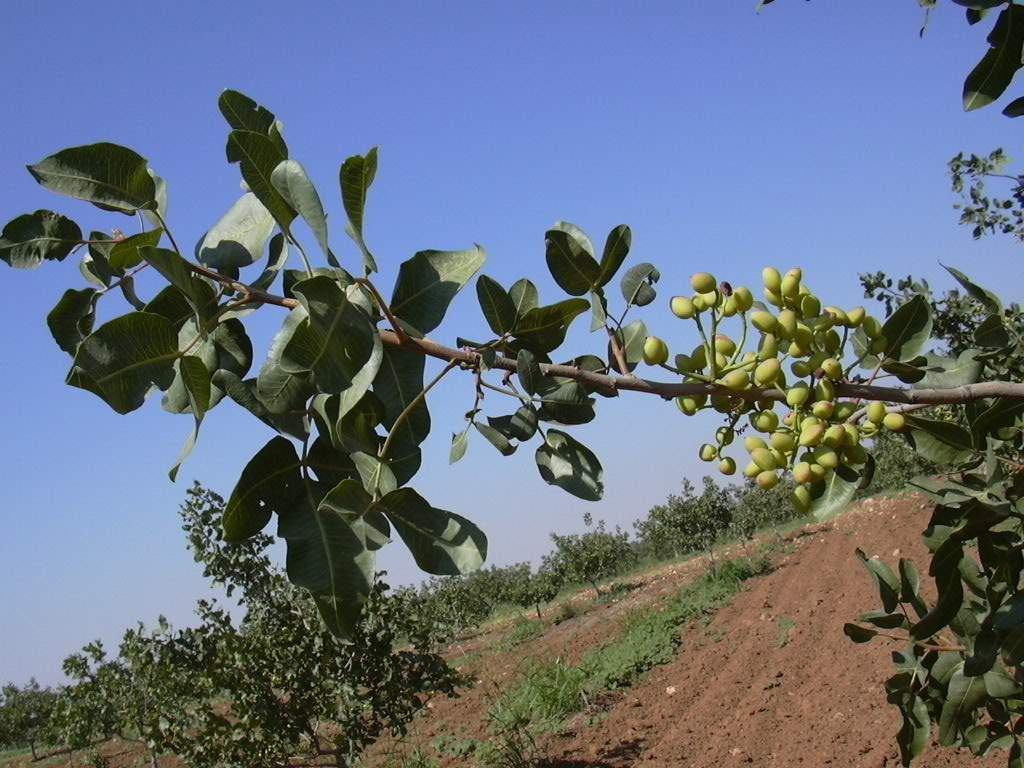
[{"x": 770, "y": 681}]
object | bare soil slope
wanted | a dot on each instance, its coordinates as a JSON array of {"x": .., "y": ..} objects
[{"x": 770, "y": 681}]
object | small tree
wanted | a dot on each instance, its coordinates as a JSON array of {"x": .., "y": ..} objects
[
  {"x": 26, "y": 715},
  {"x": 534, "y": 589},
  {"x": 687, "y": 522},
  {"x": 586, "y": 558}
]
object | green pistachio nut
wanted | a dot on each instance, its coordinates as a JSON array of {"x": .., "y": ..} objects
[
  {"x": 655, "y": 351},
  {"x": 876, "y": 412},
  {"x": 811, "y": 435},
  {"x": 703, "y": 282},
  {"x": 682, "y": 307},
  {"x": 897, "y": 422},
  {"x": 744, "y": 298}
]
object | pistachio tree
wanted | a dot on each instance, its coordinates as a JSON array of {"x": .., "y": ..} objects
[{"x": 801, "y": 387}]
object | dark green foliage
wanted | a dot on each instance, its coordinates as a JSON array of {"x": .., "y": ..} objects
[
  {"x": 896, "y": 464},
  {"x": 277, "y": 670},
  {"x": 687, "y": 522},
  {"x": 26, "y": 715},
  {"x": 967, "y": 687},
  {"x": 587, "y": 558}
]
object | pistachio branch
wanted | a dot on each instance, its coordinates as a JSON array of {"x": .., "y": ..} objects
[{"x": 611, "y": 384}]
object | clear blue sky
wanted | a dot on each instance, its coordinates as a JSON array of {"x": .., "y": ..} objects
[{"x": 812, "y": 134}]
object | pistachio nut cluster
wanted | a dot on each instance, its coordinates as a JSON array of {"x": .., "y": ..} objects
[{"x": 793, "y": 350}]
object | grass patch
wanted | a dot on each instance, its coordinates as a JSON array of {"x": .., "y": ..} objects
[
  {"x": 523, "y": 631},
  {"x": 652, "y": 635},
  {"x": 786, "y": 627},
  {"x": 551, "y": 691}
]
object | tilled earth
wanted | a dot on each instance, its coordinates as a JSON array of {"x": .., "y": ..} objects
[{"x": 769, "y": 681}]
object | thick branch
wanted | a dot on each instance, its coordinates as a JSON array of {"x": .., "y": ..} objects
[{"x": 612, "y": 384}]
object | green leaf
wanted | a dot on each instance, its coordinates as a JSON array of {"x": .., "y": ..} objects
[
  {"x": 126, "y": 254},
  {"x": 460, "y": 442},
  {"x": 495, "y": 438},
  {"x": 270, "y": 483},
  {"x": 356, "y": 176},
  {"x": 428, "y": 282},
  {"x": 859, "y": 634},
  {"x": 275, "y": 263},
  {"x": 334, "y": 342},
  {"x": 528, "y": 371},
  {"x": 258, "y": 156},
  {"x": 631, "y": 338},
  {"x": 226, "y": 348},
  {"x": 242, "y": 113},
  {"x": 1001, "y": 413},
  {"x": 909, "y": 372},
  {"x": 989, "y": 300},
  {"x": 992, "y": 333},
  {"x": 946, "y": 372},
  {"x": 524, "y": 296},
  {"x": 124, "y": 357},
  {"x": 941, "y": 442},
  {"x": 73, "y": 317},
  {"x": 329, "y": 464},
  {"x": 915, "y": 732},
  {"x": 638, "y": 284},
  {"x": 279, "y": 389},
  {"x": 32, "y": 238},
  {"x": 950, "y": 599},
  {"x": 570, "y": 262},
  {"x": 521, "y": 425},
  {"x": 95, "y": 266},
  {"x": 109, "y": 176},
  {"x": 441, "y": 542},
  {"x": 244, "y": 394},
  {"x": 566, "y": 402},
  {"x": 908, "y": 329},
  {"x": 497, "y": 306},
  {"x": 616, "y": 248},
  {"x": 993, "y": 73},
  {"x": 196, "y": 380},
  {"x": 239, "y": 238},
  {"x": 838, "y": 491},
  {"x": 398, "y": 382},
  {"x": 1015, "y": 108},
  {"x": 963, "y": 695},
  {"x": 567, "y": 463},
  {"x": 179, "y": 274},
  {"x": 332, "y": 551},
  {"x": 910, "y": 587},
  {"x": 599, "y": 311},
  {"x": 887, "y": 581},
  {"x": 291, "y": 181},
  {"x": 543, "y": 329}
]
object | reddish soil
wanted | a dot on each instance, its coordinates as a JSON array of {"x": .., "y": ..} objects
[{"x": 743, "y": 690}]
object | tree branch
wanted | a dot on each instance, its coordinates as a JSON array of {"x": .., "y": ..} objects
[{"x": 612, "y": 384}]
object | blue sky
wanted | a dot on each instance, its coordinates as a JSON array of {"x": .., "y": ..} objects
[{"x": 810, "y": 134}]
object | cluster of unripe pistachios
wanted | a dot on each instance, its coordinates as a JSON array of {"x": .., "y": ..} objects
[{"x": 817, "y": 434}]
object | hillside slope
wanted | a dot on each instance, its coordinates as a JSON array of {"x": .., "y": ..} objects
[{"x": 769, "y": 681}]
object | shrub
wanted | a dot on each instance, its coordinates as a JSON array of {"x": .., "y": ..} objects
[
  {"x": 591, "y": 556},
  {"x": 686, "y": 522}
]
